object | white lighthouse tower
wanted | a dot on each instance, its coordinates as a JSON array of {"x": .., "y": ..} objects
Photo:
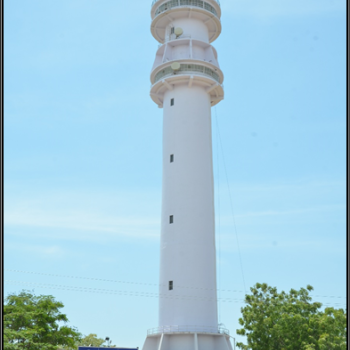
[{"x": 186, "y": 82}]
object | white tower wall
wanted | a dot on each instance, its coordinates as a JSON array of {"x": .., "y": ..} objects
[
  {"x": 198, "y": 52},
  {"x": 186, "y": 81},
  {"x": 180, "y": 51},
  {"x": 187, "y": 245},
  {"x": 192, "y": 27}
]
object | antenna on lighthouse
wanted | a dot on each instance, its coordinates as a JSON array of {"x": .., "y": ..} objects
[
  {"x": 178, "y": 31},
  {"x": 175, "y": 66}
]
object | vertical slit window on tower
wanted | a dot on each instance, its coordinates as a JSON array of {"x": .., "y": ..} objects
[
  {"x": 171, "y": 285},
  {"x": 171, "y": 219},
  {"x": 171, "y": 158},
  {"x": 172, "y": 30},
  {"x": 172, "y": 101}
]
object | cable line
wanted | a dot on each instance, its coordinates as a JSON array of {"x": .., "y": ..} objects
[
  {"x": 218, "y": 231},
  {"x": 116, "y": 281},
  {"x": 119, "y": 292},
  {"x": 144, "y": 284},
  {"x": 229, "y": 193},
  {"x": 129, "y": 293}
]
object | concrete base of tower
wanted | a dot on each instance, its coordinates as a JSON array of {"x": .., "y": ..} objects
[{"x": 188, "y": 341}]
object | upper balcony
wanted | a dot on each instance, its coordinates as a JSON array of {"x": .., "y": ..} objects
[
  {"x": 185, "y": 48},
  {"x": 171, "y": 13},
  {"x": 154, "y": 1},
  {"x": 210, "y": 5}
]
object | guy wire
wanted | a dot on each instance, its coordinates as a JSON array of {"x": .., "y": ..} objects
[
  {"x": 218, "y": 236},
  {"x": 229, "y": 193}
]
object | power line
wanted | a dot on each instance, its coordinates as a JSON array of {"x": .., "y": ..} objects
[
  {"x": 119, "y": 292},
  {"x": 140, "y": 283},
  {"x": 116, "y": 281},
  {"x": 130, "y": 293}
]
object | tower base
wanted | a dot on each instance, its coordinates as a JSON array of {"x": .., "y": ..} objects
[{"x": 187, "y": 341}]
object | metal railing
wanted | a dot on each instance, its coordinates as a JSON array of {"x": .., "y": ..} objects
[
  {"x": 187, "y": 68},
  {"x": 188, "y": 329},
  {"x": 176, "y": 3},
  {"x": 217, "y": 1}
]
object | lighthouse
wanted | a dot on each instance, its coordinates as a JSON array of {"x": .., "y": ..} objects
[{"x": 186, "y": 81}]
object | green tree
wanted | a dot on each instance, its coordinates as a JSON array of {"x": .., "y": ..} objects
[
  {"x": 282, "y": 321},
  {"x": 36, "y": 323},
  {"x": 92, "y": 340}
]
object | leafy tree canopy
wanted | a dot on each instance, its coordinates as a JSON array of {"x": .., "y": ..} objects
[
  {"x": 282, "y": 321},
  {"x": 92, "y": 340},
  {"x": 36, "y": 323}
]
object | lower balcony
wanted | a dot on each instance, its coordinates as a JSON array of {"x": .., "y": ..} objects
[
  {"x": 188, "y": 329},
  {"x": 166, "y": 79},
  {"x": 187, "y": 68}
]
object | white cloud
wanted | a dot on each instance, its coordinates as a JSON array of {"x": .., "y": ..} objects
[
  {"x": 275, "y": 8},
  {"x": 99, "y": 216},
  {"x": 275, "y": 213},
  {"x": 257, "y": 242},
  {"x": 45, "y": 251},
  {"x": 85, "y": 216}
]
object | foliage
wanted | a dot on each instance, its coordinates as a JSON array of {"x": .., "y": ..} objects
[
  {"x": 36, "y": 323},
  {"x": 282, "y": 321},
  {"x": 92, "y": 340}
]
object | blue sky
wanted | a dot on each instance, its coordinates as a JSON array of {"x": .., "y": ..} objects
[{"x": 83, "y": 156}]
